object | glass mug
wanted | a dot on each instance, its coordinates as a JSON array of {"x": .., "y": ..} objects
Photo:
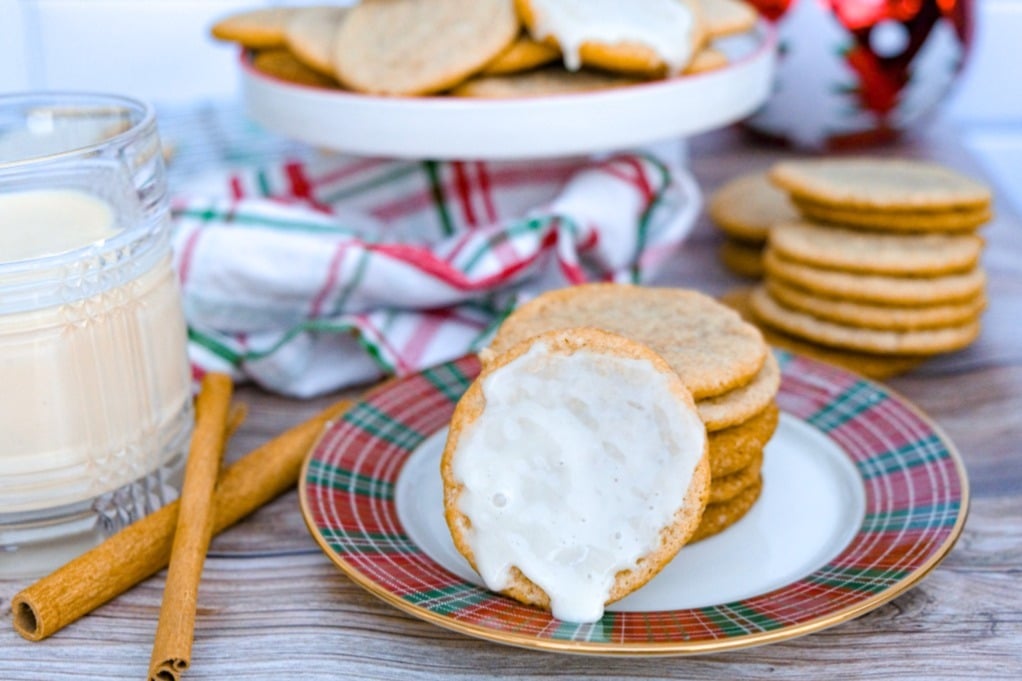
[{"x": 95, "y": 408}]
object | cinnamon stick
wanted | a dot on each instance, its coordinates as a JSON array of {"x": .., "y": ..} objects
[
  {"x": 172, "y": 648},
  {"x": 143, "y": 548}
]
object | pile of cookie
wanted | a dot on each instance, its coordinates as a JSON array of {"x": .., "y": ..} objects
[
  {"x": 744, "y": 209},
  {"x": 881, "y": 270},
  {"x": 610, "y": 425},
  {"x": 486, "y": 48},
  {"x": 723, "y": 360}
]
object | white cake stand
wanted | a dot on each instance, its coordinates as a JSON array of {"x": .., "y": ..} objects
[{"x": 532, "y": 127}]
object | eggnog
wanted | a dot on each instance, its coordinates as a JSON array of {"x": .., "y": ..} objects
[{"x": 95, "y": 407}]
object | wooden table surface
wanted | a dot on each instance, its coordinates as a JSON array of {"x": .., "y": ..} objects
[{"x": 271, "y": 606}]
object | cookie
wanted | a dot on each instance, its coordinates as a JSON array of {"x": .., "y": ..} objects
[
  {"x": 890, "y": 221},
  {"x": 742, "y": 258},
  {"x": 255, "y": 29},
  {"x": 875, "y": 252},
  {"x": 865, "y": 315},
  {"x": 575, "y": 468},
  {"x": 727, "y": 17},
  {"x": 521, "y": 55},
  {"x": 280, "y": 63},
  {"x": 551, "y": 80},
  {"x": 642, "y": 37},
  {"x": 309, "y": 33},
  {"x": 734, "y": 448},
  {"x": 880, "y": 184},
  {"x": 727, "y": 487},
  {"x": 709, "y": 345},
  {"x": 409, "y": 47},
  {"x": 914, "y": 342},
  {"x": 876, "y": 288},
  {"x": 707, "y": 59},
  {"x": 746, "y": 207},
  {"x": 719, "y": 517},
  {"x": 871, "y": 365},
  {"x": 744, "y": 402}
]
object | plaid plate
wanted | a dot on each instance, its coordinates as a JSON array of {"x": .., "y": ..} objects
[{"x": 915, "y": 492}]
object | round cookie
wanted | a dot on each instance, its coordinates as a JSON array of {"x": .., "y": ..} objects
[
  {"x": 742, "y": 403},
  {"x": 255, "y": 29},
  {"x": 719, "y": 517},
  {"x": 709, "y": 345},
  {"x": 551, "y": 80},
  {"x": 742, "y": 258},
  {"x": 642, "y": 37},
  {"x": 876, "y": 288},
  {"x": 871, "y": 365},
  {"x": 879, "y": 184},
  {"x": 521, "y": 55},
  {"x": 893, "y": 318},
  {"x": 874, "y": 252},
  {"x": 890, "y": 221},
  {"x": 734, "y": 448},
  {"x": 921, "y": 342},
  {"x": 538, "y": 448},
  {"x": 409, "y": 47},
  {"x": 280, "y": 63},
  {"x": 309, "y": 33},
  {"x": 707, "y": 59},
  {"x": 728, "y": 487},
  {"x": 727, "y": 17},
  {"x": 746, "y": 207}
]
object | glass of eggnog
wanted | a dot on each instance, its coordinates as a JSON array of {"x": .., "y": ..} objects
[{"x": 95, "y": 408}]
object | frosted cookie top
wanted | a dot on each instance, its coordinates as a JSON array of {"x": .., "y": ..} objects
[
  {"x": 668, "y": 27},
  {"x": 574, "y": 470}
]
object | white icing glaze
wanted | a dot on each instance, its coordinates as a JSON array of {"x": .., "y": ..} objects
[
  {"x": 665, "y": 26},
  {"x": 571, "y": 472}
]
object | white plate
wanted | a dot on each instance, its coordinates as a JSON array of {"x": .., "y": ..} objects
[
  {"x": 533, "y": 127},
  {"x": 805, "y": 470}
]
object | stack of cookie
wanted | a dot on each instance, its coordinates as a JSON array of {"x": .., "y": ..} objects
[
  {"x": 722, "y": 360},
  {"x": 884, "y": 262},
  {"x": 745, "y": 209},
  {"x": 486, "y": 48}
]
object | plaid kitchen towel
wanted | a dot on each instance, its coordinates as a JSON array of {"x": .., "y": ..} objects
[{"x": 308, "y": 276}]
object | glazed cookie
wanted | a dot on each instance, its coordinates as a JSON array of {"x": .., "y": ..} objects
[
  {"x": 869, "y": 364},
  {"x": 918, "y": 342},
  {"x": 280, "y": 63},
  {"x": 255, "y": 29},
  {"x": 876, "y": 288},
  {"x": 550, "y": 80},
  {"x": 746, "y": 207},
  {"x": 890, "y": 317},
  {"x": 728, "y": 487},
  {"x": 744, "y": 402},
  {"x": 645, "y": 37},
  {"x": 727, "y": 17},
  {"x": 719, "y": 517},
  {"x": 575, "y": 468},
  {"x": 917, "y": 221},
  {"x": 309, "y": 33},
  {"x": 709, "y": 345},
  {"x": 408, "y": 47},
  {"x": 877, "y": 184},
  {"x": 523, "y": 54},
  {"x": 874, "y": 252},
  {"x": 734, "y": 448}
]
